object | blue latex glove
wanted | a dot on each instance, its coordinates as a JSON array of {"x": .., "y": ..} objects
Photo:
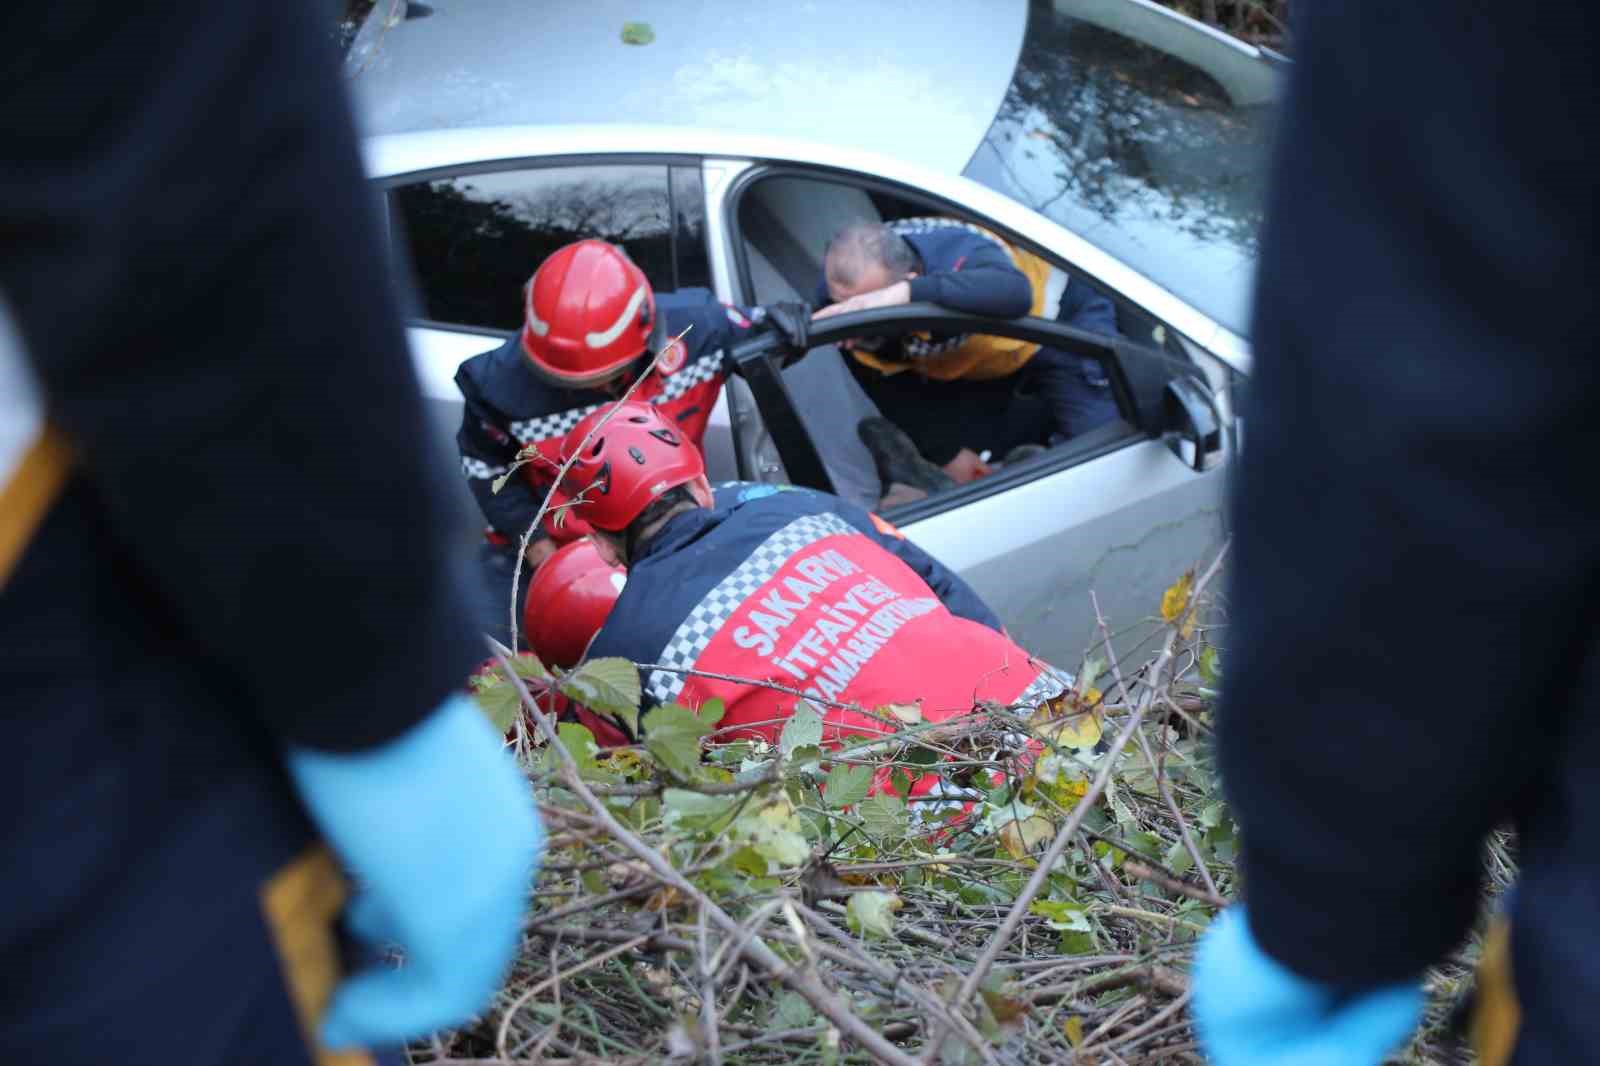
[
  {"x": 1252, "y": 1011},
  {"x": 440, "y": 830}
]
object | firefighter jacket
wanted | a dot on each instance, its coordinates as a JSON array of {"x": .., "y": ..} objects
[
  {"x": 809, "y": 592},
  {"x": 509, "y": 406}
]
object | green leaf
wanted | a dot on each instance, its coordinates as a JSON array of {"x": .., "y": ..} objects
[
  {"x": 1075, "y": 943},
  {"x": 749, "y": 861},
  {"x": 672, "y": 734},
  {"x": 528, "y": 666},
  {"x": 1210, "y": 666},
  {"x": 872, "y": 913},
  {"x": 1062, "y": 915},
  {"x": 791, "y": 1011},
  {"x": 1212, "y": 815},
  {"x": 804, "y": 729},
  {"x": 847, "y": 785},
  {"x": 609, "y": 686},
  {"x": 710, "y": 712},
  {"x": 637, "y": 33},
  {"x": 1177, "y": 859},
  {"x": 687, "y": 810},
  {"x": 775, "y": 832},
  {"x": 498, "y": 701},
  {"x": 882, "y": 816},
  {"x": 579, "y": 742}
]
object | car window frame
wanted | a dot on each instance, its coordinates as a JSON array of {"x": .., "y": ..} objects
[
  {"x": 387, "y": 184},
  {"x": 1073, "y": 452},
  {"x": 1054, "y": 460},
  {"x": 937, "y": 205}
]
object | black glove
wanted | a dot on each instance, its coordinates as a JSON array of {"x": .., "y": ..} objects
[{"x": 793, "y": 320}]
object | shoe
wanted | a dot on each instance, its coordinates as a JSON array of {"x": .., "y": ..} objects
[
  {"x": 897, "y": 457},
  {"x": 1022, "y": 453}
]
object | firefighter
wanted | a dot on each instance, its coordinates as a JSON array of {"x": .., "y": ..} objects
[
  {"x": 197, "y": 332},
  {"x": 591, "y": 326},
  {"x": 792, "y": 587}
]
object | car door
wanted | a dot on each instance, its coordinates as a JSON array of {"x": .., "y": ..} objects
[
  {"x": 472, "y": 235},
  {"x": 1122, "y": 511}
]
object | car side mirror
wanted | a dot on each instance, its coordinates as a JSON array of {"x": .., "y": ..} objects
[{"x": 1191, "y": 425}]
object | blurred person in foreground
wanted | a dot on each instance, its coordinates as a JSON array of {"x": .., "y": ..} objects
[
  {"x": 791, "y": 587},
  {"x": 229, "y": 635},
  {"x": 1415, "y": 645}
]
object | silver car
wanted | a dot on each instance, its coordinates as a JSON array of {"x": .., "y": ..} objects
[{"x": 1121, "y": 142}]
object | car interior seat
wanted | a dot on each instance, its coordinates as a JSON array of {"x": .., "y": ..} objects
[{"x": 786, "y": 224}]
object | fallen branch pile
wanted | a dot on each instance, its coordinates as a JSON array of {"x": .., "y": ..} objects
[{"x": 728, "y": 901}]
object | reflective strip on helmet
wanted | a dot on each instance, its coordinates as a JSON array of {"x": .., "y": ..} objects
[{"x": 629, "y": 314}]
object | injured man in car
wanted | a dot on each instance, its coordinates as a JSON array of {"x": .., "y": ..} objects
[{"x": 956, "y": 406}]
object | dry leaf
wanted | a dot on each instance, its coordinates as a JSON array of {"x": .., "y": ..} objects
[
  {"x": 1073, "y": 1028},
  {"x": 1019, "y": 838},
  {"x": 1176, "y": 599},
  {"x": 904, "y": 713}
]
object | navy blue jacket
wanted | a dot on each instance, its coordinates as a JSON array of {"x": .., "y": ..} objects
[
  {"x": 508, "y": 405},
  {"x": 1414, "y": 629}
]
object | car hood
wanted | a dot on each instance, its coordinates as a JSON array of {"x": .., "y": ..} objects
[{"x": 920, "y": 83}]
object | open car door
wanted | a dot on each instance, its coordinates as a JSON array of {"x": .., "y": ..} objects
[{"x": 1122, "y": 510}]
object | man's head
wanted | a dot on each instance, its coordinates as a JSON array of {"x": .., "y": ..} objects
[
  {"x": 866, "y": 257},
  {"x": 631, "y": 471},
  {"x": 589, "y": 315}
]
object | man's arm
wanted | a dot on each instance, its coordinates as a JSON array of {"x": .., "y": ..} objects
[
  {"x": 1084, "y": 308},
  {"x": 1418, "y": 477},
  {"x": 242, "y": 402},
  {"x": 984, "y": 282},
  {"x": 487, "y": 453}
]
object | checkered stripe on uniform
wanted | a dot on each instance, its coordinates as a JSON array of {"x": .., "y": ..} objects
[
  {"x": 1048, "y": 685},
  {"x": 546, "y": 427},
  {"x": 480, "y": 470},
  {"x": 910, "y": 227},
  {"x": 696, "y": 631},
  {"x": 704, "y": 369}
]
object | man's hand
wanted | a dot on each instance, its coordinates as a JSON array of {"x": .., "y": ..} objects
[
  {"x": 889, "y": 296},
  {"x": 440, "y": 830},
  {"x": 1252, "y": 1011},
  {"x": 967, "y": 466},
  {"x": 539, "y": 549},
  {"x": 792, "y": 319}
]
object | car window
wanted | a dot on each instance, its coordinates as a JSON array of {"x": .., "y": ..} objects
[
  {"x": 785, "y": 220},
  {"x": 474, "y": 239},
  {"x": 1144, "y": 135}
]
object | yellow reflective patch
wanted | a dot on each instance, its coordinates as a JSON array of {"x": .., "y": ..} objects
[
  {"x": 26, "y": 498},
  {"x": 301, "y": 903},
  {"x": 1496, "y": 1014}
]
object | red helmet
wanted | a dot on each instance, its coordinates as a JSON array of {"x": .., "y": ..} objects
[
  {"x": 569, "y": 598},
  {"x": 588, "y": 313},
  {"x": 630, "y": 461}
]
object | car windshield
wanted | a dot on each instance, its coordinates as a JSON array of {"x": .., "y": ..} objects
[{"x": 1147, "y": 137}]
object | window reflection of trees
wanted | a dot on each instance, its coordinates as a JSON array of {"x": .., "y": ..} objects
[
  {"x": 1125, "y": 130},
  {"x": 474, "y": 252}
]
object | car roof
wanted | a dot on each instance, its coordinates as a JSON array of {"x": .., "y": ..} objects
[{"x": 920, "y": 83}]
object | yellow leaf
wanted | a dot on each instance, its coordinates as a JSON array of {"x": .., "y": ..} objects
[
  {"x": 1176, "y": 598},
  {"x": 1188, "y": 627},
  {"x": 1069, "y": 720},
  {"x": 904, "y": 713},
  {"x": 1021, "y": 837},
  {"x": 1073, "y": 1028}
]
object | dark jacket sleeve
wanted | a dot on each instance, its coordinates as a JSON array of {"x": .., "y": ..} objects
[
  {"x": 983, "y": 281},
  {"x": 194, "y": 263},
  {"x": 1086, "y": 309},
  {"x": 487, "y": 452},
  {"x": 957, "y": 596},
  {"x": 1418, "y": 540}
]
